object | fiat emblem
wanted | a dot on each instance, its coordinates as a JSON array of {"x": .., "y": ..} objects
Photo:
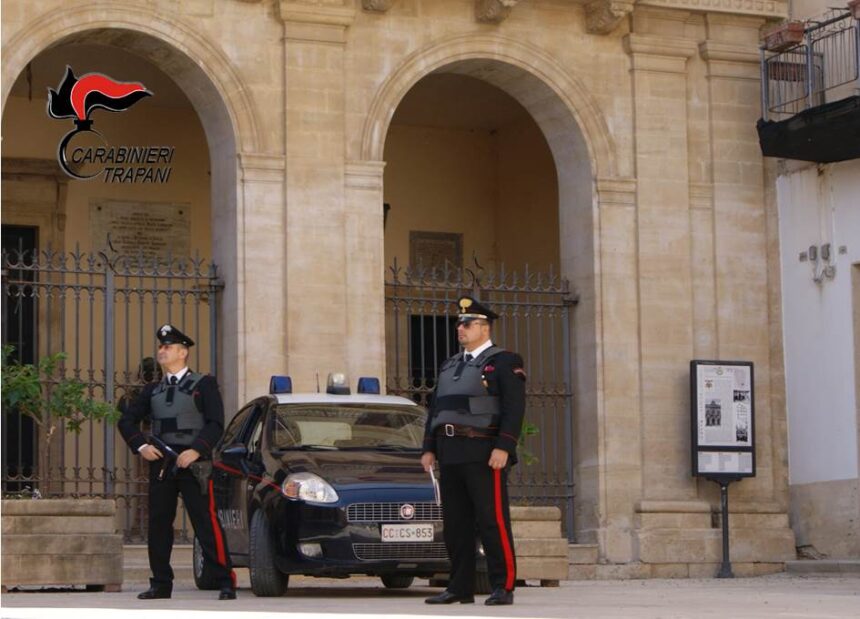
[{"x": 407, "y": 511}]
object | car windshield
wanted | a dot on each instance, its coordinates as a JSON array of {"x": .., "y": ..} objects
[{"x": 348, "y": 426}]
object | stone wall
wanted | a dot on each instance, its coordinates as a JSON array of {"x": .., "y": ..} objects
[{"x": 649, "y": 111}]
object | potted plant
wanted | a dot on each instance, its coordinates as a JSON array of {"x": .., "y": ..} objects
[
  {"x": 784, "y": 35},
  {"x": 64, "y": 541},
  {"x": 33, "y": 390}
]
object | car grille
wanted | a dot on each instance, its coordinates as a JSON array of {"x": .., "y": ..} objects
[
  {"x": 387, "y": 512},
  {"x": 400, "y": 550}
]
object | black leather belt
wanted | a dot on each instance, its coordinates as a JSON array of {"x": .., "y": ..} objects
[{"x": 449, "y": 429}]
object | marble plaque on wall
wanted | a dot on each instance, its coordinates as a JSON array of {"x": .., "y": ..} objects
[
  {"x": 432, "y": 250},
  {"x": 151, "y": 229}
]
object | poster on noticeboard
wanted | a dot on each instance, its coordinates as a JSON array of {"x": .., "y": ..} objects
[{"x": 722, "y": 418}]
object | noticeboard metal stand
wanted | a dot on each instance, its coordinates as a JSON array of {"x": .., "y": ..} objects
[
  {"x": 722, "y": 422},
  {"x": 726, "y": 565}
]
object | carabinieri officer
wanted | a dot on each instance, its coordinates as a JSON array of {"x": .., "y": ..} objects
[
  {"x": 472, "y": 430},
  {"x": 188, "y": 415}
]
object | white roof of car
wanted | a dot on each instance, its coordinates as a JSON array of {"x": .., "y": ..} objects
[{"x": 327, "y": 398}]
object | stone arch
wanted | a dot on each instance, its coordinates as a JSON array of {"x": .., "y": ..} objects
[
  {"x": 185, "y": 51},
  {"x": 220, "y": 99},
  {"x": 545, "y": 73},
  {"x": 584, "y": 151}
]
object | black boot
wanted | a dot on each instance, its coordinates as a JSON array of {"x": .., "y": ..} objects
[
  {"x": 500, "y": 597},
  {"x": 227, "y": 593},
  {"x": 154, "y": 593},
  {"x": 446, "y": 597}
]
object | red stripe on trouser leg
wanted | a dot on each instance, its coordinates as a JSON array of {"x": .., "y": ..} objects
[
  {"x": 503, "y": 530},
  {"x": 216, "y": 527},
  {"x": 233, "y": 579}
]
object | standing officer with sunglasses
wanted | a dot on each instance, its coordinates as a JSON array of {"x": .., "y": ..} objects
[
  {"x": 187, "y": 414},
  {"x": 472, "y": 430}
]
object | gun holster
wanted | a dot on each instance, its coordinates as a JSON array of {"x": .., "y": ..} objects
[{"x": 201, "y": 471}]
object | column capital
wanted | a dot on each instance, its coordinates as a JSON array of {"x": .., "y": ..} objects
[
  {"x": 364, "y": 174},
  {"x": 616, "y": 191},
  {"x": 659, "y": 54},
  {"x": 654, "y": 45},
  {"x": 313, "y": 22},
  {"x": 602, "y": 16},
  {"x": 261, "y": 167}
]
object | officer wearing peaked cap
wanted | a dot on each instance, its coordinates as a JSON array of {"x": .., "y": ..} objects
[
  {"x": 472, "y": 431},
  {"x": 187, "y": 414}
]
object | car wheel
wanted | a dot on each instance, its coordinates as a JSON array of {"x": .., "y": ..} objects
[
  {"x": 397, "y": 581},
  {"x": 266, "y": 579},
  {"x": 202, "y": 578}
]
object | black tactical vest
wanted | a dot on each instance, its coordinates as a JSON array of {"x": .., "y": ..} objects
[
  {"x": 465, "y": 401},
  {"x": 175, "y": 418}
]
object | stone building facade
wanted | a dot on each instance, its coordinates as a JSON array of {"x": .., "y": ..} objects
[{"x": 665, "y": 213}]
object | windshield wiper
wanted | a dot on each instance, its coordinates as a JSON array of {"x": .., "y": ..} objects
[
  {"x": 392, "y": 447},
  {"x": 380, "y": 447},
  {"x": 311, "y": 448}
]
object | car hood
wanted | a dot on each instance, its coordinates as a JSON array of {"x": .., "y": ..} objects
[{"x": 359, "y": 469}]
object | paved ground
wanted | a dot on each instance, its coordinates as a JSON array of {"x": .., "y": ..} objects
[{"x": 360, "y": 598}]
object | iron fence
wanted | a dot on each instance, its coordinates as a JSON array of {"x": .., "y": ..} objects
[
  {"x": 813, "y": 71},
  {"x": 102, "y": 312},
  {"x": 535, "y": 314}
]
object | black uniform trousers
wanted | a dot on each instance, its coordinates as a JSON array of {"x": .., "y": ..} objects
[
  {"x": 163, "y": 499},
  {"x": 472, "y": 492}
]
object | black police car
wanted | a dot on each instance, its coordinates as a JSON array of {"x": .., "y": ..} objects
[{"x": 326, "y": 484}]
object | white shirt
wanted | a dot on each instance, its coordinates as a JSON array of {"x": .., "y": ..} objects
[
  {"x": 478, "y": 350},
  {"x": 178, "y": 375}
]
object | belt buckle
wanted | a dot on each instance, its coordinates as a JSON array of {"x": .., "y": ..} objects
[{"x": 449, "y": 429}]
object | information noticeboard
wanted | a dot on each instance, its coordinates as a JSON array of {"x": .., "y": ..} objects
[{"x": 722, "y": 419}]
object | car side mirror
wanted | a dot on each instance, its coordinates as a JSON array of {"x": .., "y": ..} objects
[{"x": 236, "y": 455}]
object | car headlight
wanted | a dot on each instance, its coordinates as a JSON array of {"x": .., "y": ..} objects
[{"x": 308, "y": 487}]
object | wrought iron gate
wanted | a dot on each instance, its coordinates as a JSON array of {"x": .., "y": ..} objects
[
  {"x": 102, "y": 312},
  {"x": 535, "y": 321}
]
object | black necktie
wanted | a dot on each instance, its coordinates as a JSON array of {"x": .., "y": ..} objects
[
  {"x": 171, "y": 390},
  {"x": 461, "y": 365}
]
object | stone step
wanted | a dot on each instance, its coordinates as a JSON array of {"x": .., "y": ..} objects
[
  {"x": 582, "y": 554},
  {"x": 823, "y": 566},
  {"x": 540, "y": 547},
  {"x": 532, "y": 529}
]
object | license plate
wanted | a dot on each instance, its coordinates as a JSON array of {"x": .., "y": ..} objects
[{"x": 407, "y": 532}]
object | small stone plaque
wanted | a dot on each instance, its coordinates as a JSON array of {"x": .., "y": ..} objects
[
  {"x": 435, "y": 250},
  {"x": 150, "y": 229}
]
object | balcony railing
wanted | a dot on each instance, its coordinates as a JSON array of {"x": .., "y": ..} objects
[{"x": 819, "y": 69}]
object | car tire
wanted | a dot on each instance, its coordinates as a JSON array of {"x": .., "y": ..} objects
[
  {"x": 266, "y": 579},
  {"x": 202, "y": 578},
  {"x": 397, "y": 581}
]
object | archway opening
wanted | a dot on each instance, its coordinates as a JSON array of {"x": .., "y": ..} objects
[
  {"x": 488, "y": 191},
  {"x": 109, "y": 259}
]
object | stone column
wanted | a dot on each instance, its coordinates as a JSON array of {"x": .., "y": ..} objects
[
  {"x": 740, "y": 229},
  {"x": 261, "y": 274},
  {"x": 316, "y": 258},
  {"x": 365, "y": 270},
  {"x": 659, "y": 73},
  {"x": 609, "y": 474}
]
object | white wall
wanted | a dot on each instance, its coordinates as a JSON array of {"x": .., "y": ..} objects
[{"x": 816, "y": 206}]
